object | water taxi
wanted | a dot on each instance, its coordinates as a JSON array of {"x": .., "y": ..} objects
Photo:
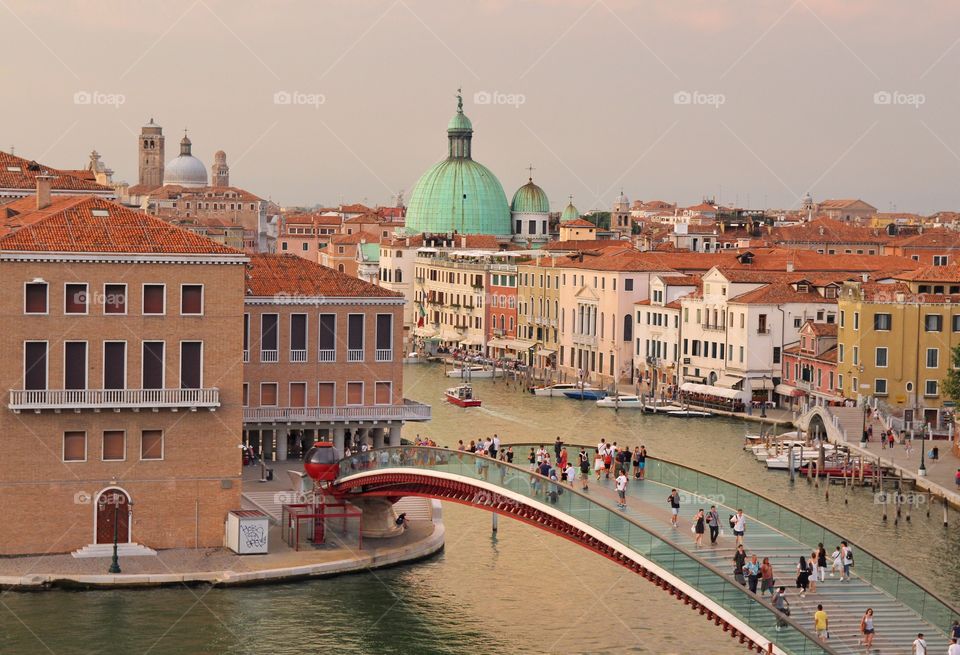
[
  {"x": 471, "y": 372},
  {"x": 621, "y": 401},
  {"x": 462, "y": 396},
  {"x": 557, "y": 390}
]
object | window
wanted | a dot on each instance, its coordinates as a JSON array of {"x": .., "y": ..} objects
[
  {"x": 269, "y": 338},
  {"x": 843, "y": 319},
  {"x": 354, "y": 393},
  {"x": 152, "y": 365},
  {"x": 298, "y": 394},
  {"x": 856, "y": 355},
  {"x": 35, "y": 365},
  {"x": 384, "y": 393},
  {"x": 246, "y": 394},
  {"x": 328, "y": 337},
  {"x": 154, "y": 299},
  {"x": 75, "y": 299},
  {"x": 268, "y": 394},
  {"x": 298, "y": 335},
  {"x": 385, "y": 337},
  {"x": 75, "y": 365},
  {"x": 114, "y": 365},
  {"x": 151, "y": 444},
  {"x": 930, "y": 388},
  {"x": 940, "y": 260},
  {"x": 933, "y": 357},
  {"x": 114, "y": 445},
  {"x": 355, "y": 324},
  {"x": 881, "y": 359},
  {"x": 762, "y": 324},
  {"x": 882, "y": 322},
  {"x": 35, "y": 298},
  {"x": 191, "y": 299},
  {"x": 933, "y": 322},
  {"x": 327, "y": 394},
  {"x": 956, "y": 322},
  {"x": 776, "y": 354},
  {"x": 191, "y": 364},
  {"x": 880, "y": 387},
  {"x": 74, "y": 446},
  {"x": 797, "y": 321},
  {"x": 628, "y": 284},
  {"x": 840, "y": 353},
  {"x": 115, "y": 298},
  {"x": 856, "y": 320}
]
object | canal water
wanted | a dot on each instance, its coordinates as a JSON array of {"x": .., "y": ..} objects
[{"x": 521, "y": 591}]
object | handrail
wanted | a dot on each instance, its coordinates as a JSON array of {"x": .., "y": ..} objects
[
  {"x": 949, "y": 611},
  {"x": 369, "y": 457}
]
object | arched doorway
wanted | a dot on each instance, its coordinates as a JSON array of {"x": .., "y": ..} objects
[
  {"x": 112, "y": 506},
  {"x": 712, "y": 379}
]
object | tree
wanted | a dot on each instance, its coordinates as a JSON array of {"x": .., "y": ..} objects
[{"x": 951, "y": 383}]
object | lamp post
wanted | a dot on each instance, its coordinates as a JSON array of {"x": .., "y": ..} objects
[
  {"x": 115, "y": 499},
  {"x": 763, "y": 405},
  {"x": 922, "y": 471}
]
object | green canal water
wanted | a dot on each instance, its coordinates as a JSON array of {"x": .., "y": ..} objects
[{"x": 521, "y": 591}]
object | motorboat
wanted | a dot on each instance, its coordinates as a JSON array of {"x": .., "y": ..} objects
[
  {"x": 654, "y": 406},
  {"x": 801, "y": 456},
  {"x": 471, "y": 372},
  {"x": 462, "y": 396},
  {"x": 621, "y": 401},
  {"x": 415, "y": 358},
  {"x": 557, "y": 390},
  {"x": 688, "y": 413},
  {"x": 585, "y": 394}
]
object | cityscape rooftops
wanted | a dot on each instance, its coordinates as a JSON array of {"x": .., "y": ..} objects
[
  {"x": 288, "y": 276},
  {"x": 21, "y": 174}
]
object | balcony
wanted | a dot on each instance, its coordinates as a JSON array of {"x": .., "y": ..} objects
[
  {"x": 585, "y": 339},
  {"x": 298, "y": 356},
  {"x": 269, "y": 356},
  {"x": 763, "y": 330},
  {"x": 718, "y": 328},
  {"x": 96, "y": 399},
  {"x": 327, "y": 356},
  {"x": 408, "y": 411},
  {"x": 355, "y": 355},
  {"x": 384, "y": 354}
]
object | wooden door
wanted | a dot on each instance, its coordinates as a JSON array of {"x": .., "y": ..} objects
[{"x": 112, "y": 505}]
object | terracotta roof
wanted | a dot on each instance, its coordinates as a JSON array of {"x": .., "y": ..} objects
[
  {"x": 949, "y": 273},
  {"x": 312, "y": 218},
  {"x": 141, "y": 189},
  {"x": 571, "y": 245},
  {"x": 21, "y": 174},
  {"x": 681, "y": 280},
  {"x": 937, "y": 238},
  {"x": 823, "y": 329},
  {"x": 353, "y": 239},
  {"x": 702, "y": 207},
  {"x": 827, "y": 230},
  {"x": 93, "y": 224},
  {"x": 578, "y": 222},
  {"x": 211, "y": 193},
  {"x": 779, "y": 293},
  {"x": 473, "y": 241},
  {"x": 355, "y": 208},
  {"x": 288, "y": 275},
  {"x": 883, "y": 292},
  {"x": 839, "y": 203},
  {"x": 363, "y": 219}
]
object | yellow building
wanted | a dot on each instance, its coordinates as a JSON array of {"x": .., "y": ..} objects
[
  {"x": 538, "y": 310},
  {"x": 895, "y": 343}
]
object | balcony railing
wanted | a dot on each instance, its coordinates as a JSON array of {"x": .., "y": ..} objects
[
  {"x": 763, "y": 330},
  {"x": 269, "y": 356},
  {"x": 246, "y": 356},
  {"x": 585, "y": 339},
  {"x": 36, "y": 400},
  {"x": 384, "y": 354},
  {"x": 408, "y": 411},
  {"x": 355, "y": 355},
  {"x": 708, "y": 326},
  {"x": 327, "y": 356},
  {"x": 298, "y": 356}
]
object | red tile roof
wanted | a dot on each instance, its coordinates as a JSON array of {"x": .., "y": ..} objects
[
  {"x": 21, "y": 174},
  {"x": 948, "y": 274},
  {"x": 578, "y": 222},
  {"x": 312, "y": 218},
  {"x": 79, "y": 227},
  {"x": 214, "y": 193},
  {"x": 571, "y": 245},
  {"x": 356, "y": 208},
  {"x": 827, "y": 230},
  {"x": 779, "y": 293},
  {"x": 288, "y": 275},
  {"x": 936, "y": 238}
]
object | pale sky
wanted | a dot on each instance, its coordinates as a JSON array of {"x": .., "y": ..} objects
[{"x": 754, "y": 102}]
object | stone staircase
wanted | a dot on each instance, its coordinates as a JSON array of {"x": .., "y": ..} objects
[{"x": 106, "y": 550}]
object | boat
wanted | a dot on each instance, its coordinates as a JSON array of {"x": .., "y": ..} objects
[
  {"x": 415, "y": 358},
  {"x": 585, "y": 394},
  {"x": 654, "y": 406},
  {"x": 621, "y": 401},
  {"x": 462, "y": 396},
  {"x": 688, "y": 413},
  {"x": 803, "y": 456},
  {"x": 839, "y": 470},
  {"x": 473, "y": 371},
  {"x": 557, "y": 390}
]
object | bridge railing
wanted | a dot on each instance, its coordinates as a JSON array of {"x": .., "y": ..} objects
[
  {"x": 793, "y": 524},
  {"x": 719, "y": 587}
]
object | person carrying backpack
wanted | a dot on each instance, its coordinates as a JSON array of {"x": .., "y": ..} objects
[
  {"x": 674, "y": 501},
  {"x": 584, "y": 467}
]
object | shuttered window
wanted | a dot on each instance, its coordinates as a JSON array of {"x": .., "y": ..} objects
[
  {"x": 268, "y": 394},
  {"x": 354, "y": 393},
  {"x": 384, "y": 393},
  {"x": 35, "y": 300},
  {"x": 74, "y": 446},
  {"x": 191, "y": 299},
  {"x": 268, "y": 332},
  {"x": 298, "y": 332},
  {"x": 114, "y": 445},
  {"x": 355, "y": 332},
  {"x": 154, "y": 298},
  {"x": 298, "y": 394},
  {"x": 327, "y": 391},
  {"x": 153, "y": 365},
  {"x": 385, "y": 331},
  {"x": 114, "y": 365},
  {"x": 151, "y": 444},
  {"x": 246, "y": 394}
]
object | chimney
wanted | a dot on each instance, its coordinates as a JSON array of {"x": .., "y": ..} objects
[
  {"x": 789, "y": 267},
  {"x": 43, "y": 191},
  {"x": 864, "y": 276}
]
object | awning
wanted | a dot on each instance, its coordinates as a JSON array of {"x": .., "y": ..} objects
[
  {"x": 471, "y": 340},
  {"x": 426, "y": 331},
  {"x": 450, "y": 335},
  {"x": 710, "y": 390},
  {"x": 761, "y": 384},
  {"x": 521, "y": 345},
  {"x": 699, "y": 379},
  {"x": 498, "y": 343},
  {"x": 729, "y": 381},
  {"x": 788, "y": 390},
  {"x": 546, "y": 352}
]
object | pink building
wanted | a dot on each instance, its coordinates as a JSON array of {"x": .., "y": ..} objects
[{"x": 810, "y": 367}]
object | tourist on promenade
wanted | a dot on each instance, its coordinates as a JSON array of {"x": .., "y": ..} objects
[
  {"x": 674, "y": 500},
  {"x": 562, "y": 457},
  {"x": 494, "y": 446},
  {"x": 636, "y": 462},
  {"x": 837, "y": 561},
  {"x": 598, "y": 464},
  {"x": 919, "y": 645},
  {"x": 509, "y": 454},
  {"x": 571, "y": 473},
  {"x": 821, "y": 563},
  {"x": 955, "y": 630},
  {"x": 532, "y": 459},
  {"x": 698, "y": 527},
  {"x": 624, "y": 457},
  {"x": 781, "y": 604},
  {"x": 584, "y": 467},
  {"x": 541, "y": 454},
  {"x": 812, "y": 565},
  {"x": 753, "y": 573},
  {"x": 766, "y": 577},
  {"x": 622, "y": 489},
  {"x": 460, "y": 446},
  {"x": 954, "y": 648},
  {"x": 846, "y": 560},
  {"x": 803, "y": 576},
  {"x": 739, "y": 561},
  {"x": 643, "y": 462},
  {"x": 557, "y": 447},
  {"x": 956, "y": 478},
  {"x": 739, "y": 523},
  {"x": 866, "y": 628},
  {"x": 713, "y": 522},
  {"x": 607, "y": 462},
  {"x": 821, "y": 623}
]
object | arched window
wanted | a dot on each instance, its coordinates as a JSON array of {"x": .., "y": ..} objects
[
  {"x": 398, "y": 276},
  {"x": 512, "y": 302},
  {"x": 502, "y": 321},
  {"x": 627, "y": 328}
]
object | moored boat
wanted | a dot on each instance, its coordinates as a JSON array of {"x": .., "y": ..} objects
[
  {"x": 621, "y": 401},
  {"x": 471, "y": 371},
  {"x": 462, "y": 396},
  {"x": 557, "y": 390},
  {"x": 688, "y": 413},
  {"x": 585, "y": 394}
]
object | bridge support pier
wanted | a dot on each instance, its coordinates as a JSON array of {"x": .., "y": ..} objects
[
  {"x": 379, "y": 519},
  {"x": 338, "y": 437},
  {"x": 377, "y": 434},
  {"x": 394, "y": 436}
]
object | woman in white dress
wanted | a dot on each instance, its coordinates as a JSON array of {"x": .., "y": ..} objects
[
  {"x": 837, "y": 561},
  {"x": 598, "y": 464}
]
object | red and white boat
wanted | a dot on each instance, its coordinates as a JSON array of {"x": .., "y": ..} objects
[{"x": 462, "y": 396}]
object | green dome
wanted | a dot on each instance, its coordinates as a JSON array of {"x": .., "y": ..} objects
[
  {"x": 530, "y": 199},
  {"x": 571, "y": 213},
  {"x": 459, "y": 194}
]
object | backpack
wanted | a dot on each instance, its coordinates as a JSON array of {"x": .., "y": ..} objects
[
  {"x": 850, "y": 555},
  {"x": 670, "y": 500},
  {"x": 732, "y": 520}
]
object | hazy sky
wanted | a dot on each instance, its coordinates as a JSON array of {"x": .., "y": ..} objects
[{"x": 753, "y": 102}]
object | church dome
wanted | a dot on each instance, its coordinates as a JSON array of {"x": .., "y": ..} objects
[
  {"x": 459, "y": 194},
  {"x": 530, "y": 199},
  {"x": 185, "y": 169},
  {"x": 570, "y": 213}
]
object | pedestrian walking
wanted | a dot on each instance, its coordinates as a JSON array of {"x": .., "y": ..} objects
[
  {"x": 557, "y": 447},
  {"x": 866, "y": 628},
  {"x": 739, "y": 561},
  {"x": 674, "y": 500},
  {"x": 571, "y": 474},
  {"x": 919, "y": 645},
  {"x": 698, "y": 527},
  {"x": 584, "y": 467},
  {"x": 753, "y": 573},
  {"x": 766, "y": 577},
  {"x": 821, "y": 623},
  {"x": 782, "y": 605},
  {"x": 643, "y": 462},
  {"x": 846, "y": 560},
  {"x": 598, "y": 465},
  {"x": 621, "y": 482},
  {"x": 812, "y": 566},
  {"x": 563, "y": 458},
  {"x": 739, "y": 523},
  {"x": 954, "y": 648},
  {"x": 532, "y": 458},
  {"x": 821, "y": 563},
  {"x": 636, "y": 462},
  {"x": 836, "y": 561},
  {"x": 713, "y": 522},
  {"x": 803, "y": 576}
]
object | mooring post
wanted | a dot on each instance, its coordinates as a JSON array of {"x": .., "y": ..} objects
[{"x": 494, "y": 522}]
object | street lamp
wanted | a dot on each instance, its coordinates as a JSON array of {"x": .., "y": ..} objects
[
  {"x": 922, "y": 471},
  {"x": 113, "y": 499}
]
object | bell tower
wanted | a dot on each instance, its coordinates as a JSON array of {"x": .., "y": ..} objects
[
  {"x": 220, "y": 172},
  {"x": 151, "y": 155}
]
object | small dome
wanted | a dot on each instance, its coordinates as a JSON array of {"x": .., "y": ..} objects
[
  {"x": 459, "y": 123},
  {"x": 185, "y": 170},
  {"x": 530, "y": 199},
  {"x": 622, "y": 199},
  {"x": 571, "y": 213}
]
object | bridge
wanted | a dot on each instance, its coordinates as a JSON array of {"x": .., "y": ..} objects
[{"x": 642, "y": 540}]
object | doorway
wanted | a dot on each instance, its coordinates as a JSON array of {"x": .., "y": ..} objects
[{"x": 113, "y": 507}]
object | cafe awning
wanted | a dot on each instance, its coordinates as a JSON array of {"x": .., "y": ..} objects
[
  {"x": 788, "y": 390},
  {"x": 761, "y": 384},
  {"x": 729, "y": 381},
  {"x": 425, "y": 331},
  {"x": 546, "y": 352},
  {"x": 710, "y": 390}
]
